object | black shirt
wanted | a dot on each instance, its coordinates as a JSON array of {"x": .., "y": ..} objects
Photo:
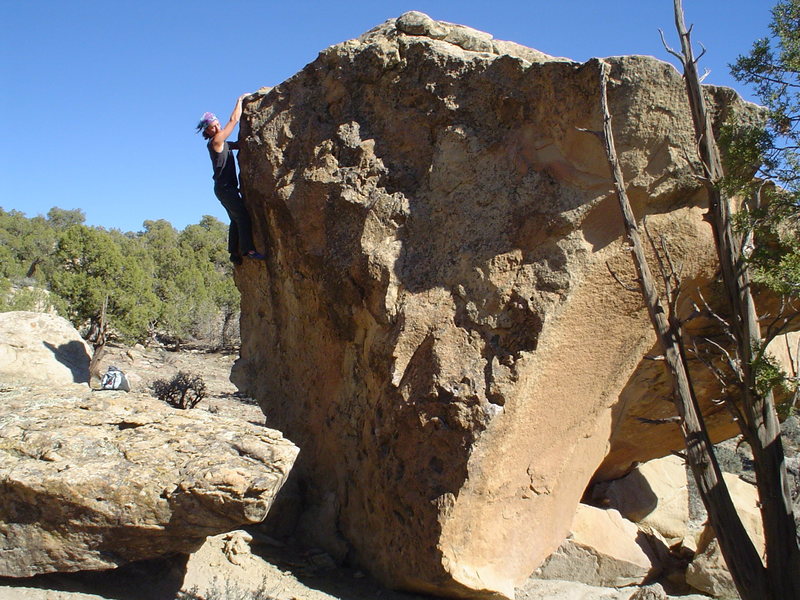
[{"x": 224, "y": 166}]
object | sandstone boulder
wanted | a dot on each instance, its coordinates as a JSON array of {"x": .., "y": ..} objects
[
  {"x": 602, "y": 549},
  {"x": 654, "y": 495},
  {"x": 43, "y": 348},
  {"x": 708, "y": 571},
  {"x": 436, "y": 325},
  {"x": 92, "y": 482}
]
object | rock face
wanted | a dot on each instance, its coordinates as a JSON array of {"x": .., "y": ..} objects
[
  {"x": 436, "y": 325},
  {"x": 42, "y": 348},
  {"x": 94, "y": 482}
]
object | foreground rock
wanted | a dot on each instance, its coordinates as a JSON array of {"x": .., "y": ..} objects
[
  {"x": 93, "y": 482},
  {"x": 42, "y": 348},
  {"x": 436, "y": 325}
]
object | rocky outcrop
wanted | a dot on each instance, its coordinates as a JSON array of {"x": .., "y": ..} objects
[
  {"x": 92, "y": 482},
  {"x": 437, "y": 325},
  {"x": 42, "y": 348}
]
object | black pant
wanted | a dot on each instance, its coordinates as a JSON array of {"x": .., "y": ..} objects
[{"x": 240, "y": 233}]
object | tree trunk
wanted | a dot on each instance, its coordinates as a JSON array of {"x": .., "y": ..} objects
[
  {"x": 740, "y": 554},
  {"x": 226, "y": 323},
  {"x": 99, "y": 343},
  {"x": 761, "y": 429}
]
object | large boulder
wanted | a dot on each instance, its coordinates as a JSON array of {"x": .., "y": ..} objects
[
  {"x": 437, "y": 324},
  {"x": 42, "y": 348},
  {"x": 92, "y": 482}
]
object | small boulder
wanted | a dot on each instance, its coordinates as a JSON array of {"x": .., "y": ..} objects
[
  {"x": 602, "y": 549},
  {"x": 654, "y": 495}
]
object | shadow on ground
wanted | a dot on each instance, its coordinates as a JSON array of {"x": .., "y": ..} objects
[{"x": 159, "y": 579}]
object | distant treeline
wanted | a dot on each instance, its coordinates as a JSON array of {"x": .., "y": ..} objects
[{"x": 160, "y": 283}]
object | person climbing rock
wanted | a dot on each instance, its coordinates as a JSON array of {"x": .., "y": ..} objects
[{"x": 226, "y": 182}]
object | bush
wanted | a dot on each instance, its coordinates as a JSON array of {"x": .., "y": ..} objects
[
  {"x": 185, "y": 390},
  {"x": 228, "y": 590}
]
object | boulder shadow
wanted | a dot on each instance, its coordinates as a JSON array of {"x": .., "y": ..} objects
[
  {"x": 154, "y": 579},
  {"x": 74, "y": 356}
]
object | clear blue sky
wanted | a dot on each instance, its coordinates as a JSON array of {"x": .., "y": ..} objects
[{"x": 100, "y": 98}]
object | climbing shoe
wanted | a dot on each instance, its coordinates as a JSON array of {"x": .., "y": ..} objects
[{"x": 255, "y": 255}]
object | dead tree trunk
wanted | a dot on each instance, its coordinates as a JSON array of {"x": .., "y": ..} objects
[
  {"x": 740, "y": 554},
  {"x": 757, "y": 417},
  {"x": 99, "y": 344}
]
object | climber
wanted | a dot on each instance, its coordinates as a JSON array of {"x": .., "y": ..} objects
[{"x": 226, "y": 182}]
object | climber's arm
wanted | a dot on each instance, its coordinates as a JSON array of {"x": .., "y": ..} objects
[{"x": 222, "y": 134}]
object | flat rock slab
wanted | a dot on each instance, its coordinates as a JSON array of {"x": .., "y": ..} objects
[{"x": 93, "y": 482}]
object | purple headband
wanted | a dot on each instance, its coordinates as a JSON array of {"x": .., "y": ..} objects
[{"x": 206, "y": 120}]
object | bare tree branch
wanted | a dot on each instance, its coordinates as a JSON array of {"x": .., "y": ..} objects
[
  {"x": 667, "y": 47},
  {"x": 664, "y": 421},
  {"x": 597, "y": 134},
  {"x": 733, "y": 363},
  {"x": 732, "y": 536},
  {"x": 779, "y": 577},
  {"x": 697, "y": 60},
  {"x": 715, "y": 371}
]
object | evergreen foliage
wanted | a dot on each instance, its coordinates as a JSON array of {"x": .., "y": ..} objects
[
  {"x": 772, "y": 212},
  {"x": 162, "y": 283}
]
